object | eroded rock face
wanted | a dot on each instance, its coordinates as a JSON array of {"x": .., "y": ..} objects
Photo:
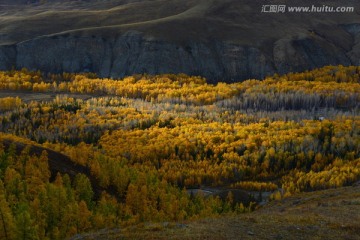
[
  {"x": 7, "y": 57},
  {"x": 302, "y": 54},
  {"x": 354, "y": 53},
  {"x": 132, "y": 53},
  {"x": 222, "y": 40}
]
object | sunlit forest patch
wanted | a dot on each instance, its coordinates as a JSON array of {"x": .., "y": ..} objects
[{"x": 135, "y": 150}]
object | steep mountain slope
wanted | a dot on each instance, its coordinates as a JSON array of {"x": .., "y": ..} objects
[{"x": 221, "y": 40}]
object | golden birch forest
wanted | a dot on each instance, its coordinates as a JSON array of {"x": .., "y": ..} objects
[{"x": 80, "y": 153}]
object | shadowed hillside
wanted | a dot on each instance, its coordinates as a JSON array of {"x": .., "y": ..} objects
[{"x": 221, "y": 40}]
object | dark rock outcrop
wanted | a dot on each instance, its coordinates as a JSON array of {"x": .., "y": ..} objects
[
  {"x": 210, "y": 38},
  {"x": 132, "y": 53}
]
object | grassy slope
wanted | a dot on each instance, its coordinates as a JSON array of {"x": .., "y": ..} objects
[
  {"x": 328, "y": 214},
  {"x": 175, "y": 20}
]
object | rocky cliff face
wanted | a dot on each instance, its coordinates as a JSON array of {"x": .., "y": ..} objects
[
  {"x": 212, "y": 48},
  {"x": 132, "y": 53}
]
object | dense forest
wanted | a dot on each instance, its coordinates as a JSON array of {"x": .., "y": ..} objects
[{"x": 141, "y": 142}]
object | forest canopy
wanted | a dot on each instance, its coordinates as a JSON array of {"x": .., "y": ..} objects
[{"x": 139, "y": 144}]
